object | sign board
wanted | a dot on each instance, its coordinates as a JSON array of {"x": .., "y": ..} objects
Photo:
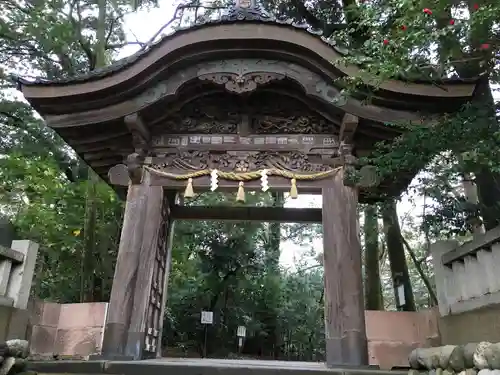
[
  {"x": 401, "y": 295},
  {"x": 207, "y": 317},
  {"x": 256, "y": 141},
  {"x": 242, "y": 331}
]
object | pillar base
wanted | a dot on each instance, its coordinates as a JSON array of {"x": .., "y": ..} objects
[
  {"x": 350, "y": 350},
  {"x": 110, "y": 357}
]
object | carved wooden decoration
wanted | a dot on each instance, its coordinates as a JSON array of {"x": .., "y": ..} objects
[
  {"x": 348, "y": 128},
  {"x": 239, "y": 73},
  {"x": 140, "y": 132},
  {"x": 157, "y": 284},
  {"x": 209, "y": 115},
  {"x": 265, "y": 112},
  {"x": 239, "y": 76},
  {"x": 239, "y": 162}
]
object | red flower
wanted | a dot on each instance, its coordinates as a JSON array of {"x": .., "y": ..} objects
[
  {"x": 484, "y": 46},
  {"x": 386, "y": 41},
  {"x": 452, "y": 22},
  {"x": 427, "y": 11},
  {"x": 403, "y": 27},
  {"x": 476, "y": 6}
]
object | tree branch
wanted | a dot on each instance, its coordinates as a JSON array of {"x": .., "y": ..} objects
[{"x": 424, "y": 278}]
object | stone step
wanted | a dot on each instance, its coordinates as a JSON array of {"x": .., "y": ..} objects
[{"x": 187, "y": 366}]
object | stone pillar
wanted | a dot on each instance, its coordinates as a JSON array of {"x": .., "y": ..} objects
[
  {"x": 443, "y": 275},
  {"x": 346, "y": 342}
]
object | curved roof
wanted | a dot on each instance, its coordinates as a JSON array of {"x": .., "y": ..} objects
[
  {"x": 88, "y": 111},
  {"x": 254, "y": 14}
]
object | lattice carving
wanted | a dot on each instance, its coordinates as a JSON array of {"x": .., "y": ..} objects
[
  {"x": 155, "y": 307},
  {"x": 207, "y": 116},
  {"x": 267, "y": 112},
  {"x": 286, "y": 115}
]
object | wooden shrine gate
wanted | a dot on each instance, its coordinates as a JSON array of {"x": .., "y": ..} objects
[
  {"x": 245, "y": 102},
  {"x": 199, "y": 163}
]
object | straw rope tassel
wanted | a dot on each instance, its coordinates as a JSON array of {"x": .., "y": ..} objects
[
  {"x": 294, "y": 194},
  {"x": 189, "y": 192},
  {"x": 240, "y": 197}
]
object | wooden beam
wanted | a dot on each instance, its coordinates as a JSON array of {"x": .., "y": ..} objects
[
  {"x": 151, "y": 249},
  {"x": 266, "y": 214},
  {"x": 140, "y": 132},
  {"x": 73, "y": 142},
  {"x": 122, "y": 292},
  {"x": 348, "y": 128},
  {"x": 345, "y": 331}
]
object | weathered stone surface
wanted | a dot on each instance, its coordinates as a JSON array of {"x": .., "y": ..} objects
[
  {"x": 492, "y": 355},
  {"x": 444, "y": 355},
  {"x": 426, "y": 358},
  {"x": 469, "y": 350},
  {"x": 18, "y": 348},
  {"x": 3, "y": 349},
  {"x": 448, "y": 372},
  {"x": 479, "y": 359},
  {"x": 413, "y": 360},
  {"x": 20, "y": 364},
  {"x": 469, "y": 371},
  {"x": 485, "y": 372},
  {"x": 457, "y": 359},
  {"x": 7, "y": 364},
  {"x": 413, "y": 371}
]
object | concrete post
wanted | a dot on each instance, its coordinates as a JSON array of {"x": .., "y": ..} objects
[
  {"x": 443, "y": 275},
  {"x": 21, "y": 275}
]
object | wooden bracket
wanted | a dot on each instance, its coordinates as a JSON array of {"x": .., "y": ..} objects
[
  {"x": 118, "y": 175},
  {"x": 141, "y": 135},
  {"x": 348, "y": 128}
]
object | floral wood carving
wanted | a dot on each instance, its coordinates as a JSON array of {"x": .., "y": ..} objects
[
  {"x": 268, "y": 114},
  {"x": 240, "y": 161},
  {"x": 286, "y": 115},
  {"x": 241, "y": 83},
  {"x": 204, "y": 116},
  {"x": 240, "y": 76},
  {"x": 186, "y": 160}
]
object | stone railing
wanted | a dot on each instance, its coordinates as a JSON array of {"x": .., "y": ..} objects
[
  {"x": 467, "y": 275},
  {"x": 17, "y": 267},
  {"x": 470, "y": 359}
]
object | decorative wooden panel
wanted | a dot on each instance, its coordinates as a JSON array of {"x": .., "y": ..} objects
[{"x": 157, "y": 288}]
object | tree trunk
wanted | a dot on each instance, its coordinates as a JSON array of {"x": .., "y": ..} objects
[
  {"x": 487, "y": 181},
  {"x": 87, "y": 292},
  {"x": 273, "y": 258},
  {"x": 373, "y": 285},
  {"x": 397, "y": 259}
]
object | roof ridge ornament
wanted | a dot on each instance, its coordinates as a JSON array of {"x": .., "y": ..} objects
[{"x": 248, "y": 10}]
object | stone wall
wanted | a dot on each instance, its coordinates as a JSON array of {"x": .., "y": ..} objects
[
  {"x": 76, "y": 331},
  {"x": 473, "y": 326},
  {"x": 73, "y": 330},
  {"x": 392, "y": 335}
]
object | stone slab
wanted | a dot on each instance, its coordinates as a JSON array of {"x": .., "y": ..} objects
[{"x": 190, "y": 366}]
